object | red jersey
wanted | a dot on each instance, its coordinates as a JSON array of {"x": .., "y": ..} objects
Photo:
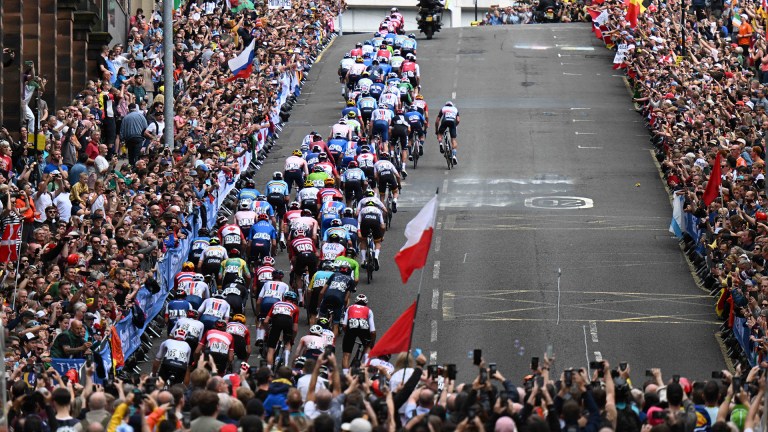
[
  {"x": 356, "y": 52},
  {"x": 328, "y": 167},
  {"x": 383, "y": 53},
  {"x": 264, "y": 273},
  {"x": 239, "y": 330},
  {"x": 366, "y": 160},
  {"x": 285, "y": 308},
  {"x": 290, "y": 215},
  {"x": 327, "y": 194},
  {"x": 420, "y": 104},
  {"x": 230, "y": 235},
  {"x": 182, "y": 277},
  {"x": 332, "y": 250},
  {"x": 218, "y": 341},
  {"x": 301, "y": 245}
]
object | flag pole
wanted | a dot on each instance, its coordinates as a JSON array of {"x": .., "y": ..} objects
[
  {"x": 18, "y": 261},
  {"x": 418, "y": 291}
]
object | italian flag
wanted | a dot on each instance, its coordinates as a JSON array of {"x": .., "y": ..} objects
[{"x": 418, "y": 233}]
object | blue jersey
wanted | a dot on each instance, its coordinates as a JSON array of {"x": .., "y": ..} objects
[
  {"x": 262, "y": 232},
  {"x": 331, "y": 209},
  {"x": 337, "y": 146},
  {"x": 312, "y": 159},
  {"x": 376, "y": 42},
  {"x": 353, "y": 174},
  {"x": 367, "y": 61},
  {"x": 377, "y": 89},
  {"x": 367, "y": 103},
  {"x": 276, "y": 187},
  {"x": 350, "y": 225},
  {"x": 198, "y": 246},
  {"x": 409, "y": 44},
  {"x": 415, "y": 118},
  {"x": 390, "y": 37},
  {"x": 263, "y": 207},
  {"x": 385, "y": 68},
  {"x": 248, "y": 194},
  {"x": 345, "y": 112},
  {"x": 338, "y": 230},
  {"x": 176, "y": 309}
]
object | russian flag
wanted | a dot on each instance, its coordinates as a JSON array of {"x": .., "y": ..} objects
[
  {"x": 242, "y": 65},
  {"x": 418, "y": 232}
]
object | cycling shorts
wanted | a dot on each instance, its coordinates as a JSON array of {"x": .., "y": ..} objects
[
  {"x": 372, "y": 227},
  {"x": 353, "y": 189},
  {"x": 294, "y": 177},
  {"x": 211, "y": 268},
  {"x": 193, "y": 342},
  {"x": 447, "y": 124},
  {"x": 281, "y": 325},
  {"x": 266, "y": 305},
  {"x": 332, "y": 305},
  {"x": 387, "y": 181},
  {"x": 235, "y": 303},
  {"x": 351, "y": 335},
  {"x": 309, "y": 204},
  {"x": 171, "y": 369},
  {"x": 381, "y": 127},
  {"x": 277, "y": 201},
  {"x": 305, "y": 261},
  {"x": 240, "y": 348},
  {"x": 260, "y": 250},
  {"x": 221, "y": 360}
]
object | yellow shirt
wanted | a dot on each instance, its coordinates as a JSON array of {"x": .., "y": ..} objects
[{"x": 79, "y": 190}]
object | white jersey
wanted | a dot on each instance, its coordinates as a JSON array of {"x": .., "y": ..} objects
[
  {"x": 197, "y": 288},
  {"x": 194, "y": 328},
  {"x": 313, "y": 342},
  {"x": 342, "y": 129},
  {"x": 357, "y": 69},
  {"x": 367, "y": 49},
  {"x": 245, "y": 218},
  {"x": 366, "y": 200},
  {"x": 390, "y": 98},
  {"x": 174, "y": 353},
  {"x": 384, "y": 166},
  {"x": 365, "y": 84},
  {"x": 214, "y": 307},
  {"x": 307, "y": 193},
  {"x": 328, "y": 338},
  {"x": 273, "y": 289},
  {"x": 382, "y": 114},
  {"x": 347, "y": 63}
]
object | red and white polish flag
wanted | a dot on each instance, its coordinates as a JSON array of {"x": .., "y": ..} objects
[{"x": 418, "y": 233}]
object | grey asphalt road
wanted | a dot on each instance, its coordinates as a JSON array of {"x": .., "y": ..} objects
[{"x": 555, "y": 173}]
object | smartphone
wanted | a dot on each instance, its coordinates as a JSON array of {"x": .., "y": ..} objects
[
  {"x": 659, "y": 415},
  {"x": 451, "y": 371},
  {"x": 277, "y": 410},
  {"x": 676, "y": 378},
  {"x": 623, "y": 366},
  {"x": 534, "y": 363},
  {"x": 483, "y": 375},
  {"x": 568, "y": 377},
  {"x": 596, "y": 365},
  {"x": 736, "y": 383},
  {"x": 477, "y": 357},
  {"x": 492, "y": 369},
  {"x": 648, "y": 373},
  {"x": 432, "y": 371},
  {"x": 504, "y": 398},
  {"x": 328, "y": 351},
  {"x": 186, "y": 420},
  {"x": 549, "y": 351},
  {"x": 717, "y": 374}
]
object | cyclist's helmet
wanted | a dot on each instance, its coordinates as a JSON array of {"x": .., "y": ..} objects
[
  {"x": 192, "y": 314},
  {"x": 391, "y": 75},
  {"x": 397, "y": 52},
  {"x": 329, "y": 182},
  {"x": 221, "y": 220},
  {"x": 365, "y": 149},
  {"x": 449, "y": 103},
  {"x": 419, "y": 97},
  {"x": 412, "y": 36},
  {"x": 268, "y": 261},
  {"x": 245, "y": 204},
  {"x": 351, "y": 252},
  {"x": 393, "y": 10},
  {"x": 359, "y": 59},
  {"x": 239, "y": 318},
  {"x": 290, "y": 296},
  {"x": 324, "y": 322},
  {"x": 234, "y": 253},
  {"x": 214, "y": 241},
  {"x": 361, "y": 299},
  {"x": 308, "y": 183},
  {"x": 180, "y": 293},
  {"x": 188, "y": 266},
  {"x": 297, "y": 152},
  {"x": 277, "y": 274},
  {"x": 334, "y": 238},
  {"x": 369, "y": 193},
  {"x": 316, "y": 330},
  {"x": 250, "y": 184},
  {"x": 263, "y": 216},
  {"x": 239, "y": 280},
  {"x": 352, "y": 115},
  {"x": 384, "y": 156},
  {"x": 347, "y": 212},
  {"x": 180, "y": 334},
  {"x": 345, "y": 268},
  {"x": 220, "y": 325},
  {"x": 219, "y": 296},
  {"x": 399, "y": 110},
  {"x": 295, "y": 205},
  {"x": 277, "y": 175},
  {"x": 197, "y": 277},
  {"x": 328, "y": 265},
  {"x": 336, "y": 222},
  {"x": 299, "y": 362},
  {"x": 359, "y": 45},
  {"x": 318, "y": 168},
  {"x": 355, "y": 138},
  {"x": 203, "y": 232},
  {"x": 306, "y": 212},
  {"x": 347, "y": 55},
  {"x": 300, "y": 232},
  {"x": 352, "y": 164},
  {"x": 261, "y": 197}
]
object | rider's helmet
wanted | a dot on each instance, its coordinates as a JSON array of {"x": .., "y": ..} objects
[
  {"x": 449, "y": 103},
  {"x": 290, "y": 296},
  {"x": 239, "y": 318},
  {"x": 180, "y": 334},
  {"x": 316, "y": 330},
  {"x": 334, "y": 238},
  {"x": 277, "y": 274},
  {"x": 300, "y": 233},
  {"x": 328, "y": 265},
  {"x": 412, "y": 36},
  {"x": 336, "y": 222},
  {"x": 352, "y": 115},
  {"x": 214, "y": 241},
  {"x": 370, "y": 204},
  {"x": 397, "y": 52},
  {"x": 359, "y": 45},
  {"x": 219, "y": 296},
  {"x": 234, "y": 253},
  {"x": 365, "y": 148},
  {"x": 329, "y": 182},
  {"x": 347, "y": 212},
  {"x": 318, "y": 168},
  {"x": 369, "y": 193},
  {"x": 180, "y": 293},
  {"x": 221, "y": 220},
  {"x": 393, "y": 10},
  {"x": 297, "y": 152},
  {"x": 384, "y": 156},
  {"x": 261, "y": 197},
  {"x": 295, "y": 205},
  {"x": 324, "y": 322},
  {"x": 203, "y": 232},
  {"x": 220, "y": 325},
  {"x": 250, "y": 184},
  {"x": 188, "y": 266},
  {"x": 345, "y": 268},
  {"x": 192, "y": 314},
  {"x": 359, "y": 59},
  {"x": 277, "y": 175},
  {"x": 351, "y": 252},
  {"x": 361, "y": 299},
  {"x": 306, "y": 212},
  {"x": 268, "y": 261},
  {"x": 245, "y": 204},
  {"x": 197, "y": 277},
  {"x": 352, "y": 164},
  {"x": 419, "y": 97},
  {"x": 239, "y": 280},
  {"x": 410, "y": 56},
  {"x": 346, "y": 56},
  {"x": 263, "y": 216},
  {"x": 399, "y": 110},
  {"x": 350, "y": 102},
  {"x": 308, "y": 183}
]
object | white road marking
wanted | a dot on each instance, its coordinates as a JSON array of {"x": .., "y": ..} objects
[
  {"x": 565, "y": 55},
  {"x": 580, "y": 108},
  {"x": 433, "y": 333},
  {"x": 577, "y": 48},
  {"x": 453, "y": 95},
  {"x": 598, "y": 356},
  {"x": 593, "y": 330},
  {"x": 585, "y": 133},
  {"x": 586, "y": 347},
  {"x": 571, "y": 74},
  {"x": 590, "y": 148},
  {"x": 465, "y": 258},
  {"x": 559, "y": 272},
  {"x": 436, "y": 270},
  {"x": 581, "y": 120},
  {"x": 532, "y": 47},
  {"x": 435, "y": 298},
  {"x": 437, "y": 243},
  {"x": 445, "y": 186},
  {"x": 433, "y": 357},
  {"x": 559, "y": 202},
  {"x": 569, "y": 64}
]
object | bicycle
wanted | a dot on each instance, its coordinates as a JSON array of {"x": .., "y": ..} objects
[
  {"x": 356, "y": 359},
  {"x": 413, "y": 148},
  {"x": 368, "y": 264},
  {"x": 388, "y": 200},
  {"x": 448, "y": 153}
]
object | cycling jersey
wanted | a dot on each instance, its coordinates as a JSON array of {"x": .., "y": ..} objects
[
  {"x": 415, "y": 119},
  {"x": 263, "y": 274},
  {"x": 359, "y": 317},
  {"x": 329, "y": 251},
  {"x": 263, "y": 207},
  {"x": 396, "y": 62},
  {"x": 231, "y": 236},
  {"x": 370, "y": 219},
  {"x": 350, "y": 226},
  {"x": 366, "y": 200},
  {"x": 198, "y": 246},
  {"x": 244, "y": 219},
  {"x": 384, "y": 168},
  {"x": 306, "y": 223},
  {"x": 182, "y": 278},
  {"x": 193, "y": 328},
  {"x": 366, "y": 160},
  {"x": 233, "y": 267},
  {"x": 247, "y": 193},
  {"x": 174, "y": 354},
  {"x": 241, "y": 338},
  {"x": 218, "y": 342},
  {"x": 271, "y": 293},
  {"x": 421, "y": 106},
  {"x": 214, "y": 309},
  {"x": 313, "y": 346},
  {"x": 448, "y": 113},
  {"x": 390, "y": 98},
  {"x": 174, "y": 310},
  {"x": 262, "y": 233},
  {"x": 337, "y": 147},
  {"x": 212, "y": 257},
  {"x": 381, "y": 114},
  {"x": 283, "y": 317},
  {"x": 352, "y": 264},
  {"x": 353, "y": 174},
  {"x": 329, "y": 168},
  {"x": 302, "y": 245},
  {"x": 294, "y": 163},
  {"x": 277, "y": 187}
]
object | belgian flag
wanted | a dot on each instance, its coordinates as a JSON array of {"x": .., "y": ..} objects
[{"x": 634, "y": 9}]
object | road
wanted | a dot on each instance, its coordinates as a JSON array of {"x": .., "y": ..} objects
[{"x": 542, "y": 116}]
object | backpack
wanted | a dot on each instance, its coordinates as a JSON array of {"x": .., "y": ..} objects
[{"x": 139, "y": 318}]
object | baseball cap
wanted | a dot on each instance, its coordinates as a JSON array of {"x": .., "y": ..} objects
[
  {"x": 358, "y": 425},
  {"x": 654, "y": 421},
  {"x": 739, "y": 416}
]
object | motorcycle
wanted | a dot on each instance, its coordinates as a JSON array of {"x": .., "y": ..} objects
[
  {"x": 548, "y": 14},
  {"x": 429, "y": 21}
]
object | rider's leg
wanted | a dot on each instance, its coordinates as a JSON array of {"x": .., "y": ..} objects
[
  {"x": 270, "y": 356},
  {"x": 287, "y": 354},
  {"x": 361, "y": 245},
  {"x": 345, "y": 360}
]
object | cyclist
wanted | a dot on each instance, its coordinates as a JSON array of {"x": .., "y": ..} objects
[
  {"x": 381, "y": 119},
  {"x": 410, "y": 70},
  {"x": 420, "y": 105},
  {"x": 278, "y": 197},
  {"x": 417, "y": 122},
  {"x": 391, "y": 96},
  {"x": 335, "y": 294},
  {"x": 353, "y": 120},
  {"x": 264, "y": 273},
  {"x": 350, "y": 107},
  {"x": 198, "y": 245},
  {"x": 173, "y": 358},
  {"x": 401, "y": 129},
  {"x": 396, "y": 61},
  {"x": 409, "y": 45},
  {"x": 261, "y": 206},
  {"x": 352, "y": 181},
  {"x": 366, "y": 160},
  {"x": 211, "y": 258},
  {"x": 197, "y": 291},
  {"x": 183, "y": 277},
  {"x": 235, "y": 293},
  {"x": 349, "y": 222},
  {"x": 328, "y": 191},
  {"x": 303, "y": 256},
  {"x": 220, "y": 345},
  {"x": 283, "y": 320},
  {"x": 233, "y": 267},
  {"x": 249, "y": 191},
  {"x": 230, "y": 235},
  {"x": 337, "y": 228},
  {"x": 358, "y": 324},
  {"x": 311, "y": 345},
  {"x": 262, "y": 239},
  {"x": 316, "y": 286},
  {"x": 365, "y": 87},
  {"x": 333, "y": 248},
  {"x": 308, "y": 196},
  {"x": 344, "y": 66},
  {"x": 371, "y": 222},
  {"x": 387, "y": 177},
  {"x": 448, "y": 118},
  {"x": 295, "y": 170},
  {"x": 329, "y": 211},
  {"x": 350, "y": 258},
  {"x": 193, "y": 329},
  {"x": 241, "y": 337},
  {"x": 306, "y": 223},
  {"x": 294, "y": 212},
  {"x": 213, "y": 309},
  {"x": 337, "y": 146},
  {"x": 245, "y": 216},
  {"x": 367, "y": 104},
  {"x": 328, "y": 167},
  {"x": 176, "y": 308},
  {"x": 355, "y": 72},
  {"x": 271, "y": 292}
]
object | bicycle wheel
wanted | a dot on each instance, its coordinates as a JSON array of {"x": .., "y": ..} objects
[
  {"x": 369, "y": 259},
  {"x": 415, "y": 151},
  {"x": 448, "y": 150},
  {"x": 254, "y": 298}
]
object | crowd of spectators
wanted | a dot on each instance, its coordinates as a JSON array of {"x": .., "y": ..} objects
[
  {"x": 103, "y": 200},
  {"x": 406, "y": 394},
  {"x": 523, "y": 13}
]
